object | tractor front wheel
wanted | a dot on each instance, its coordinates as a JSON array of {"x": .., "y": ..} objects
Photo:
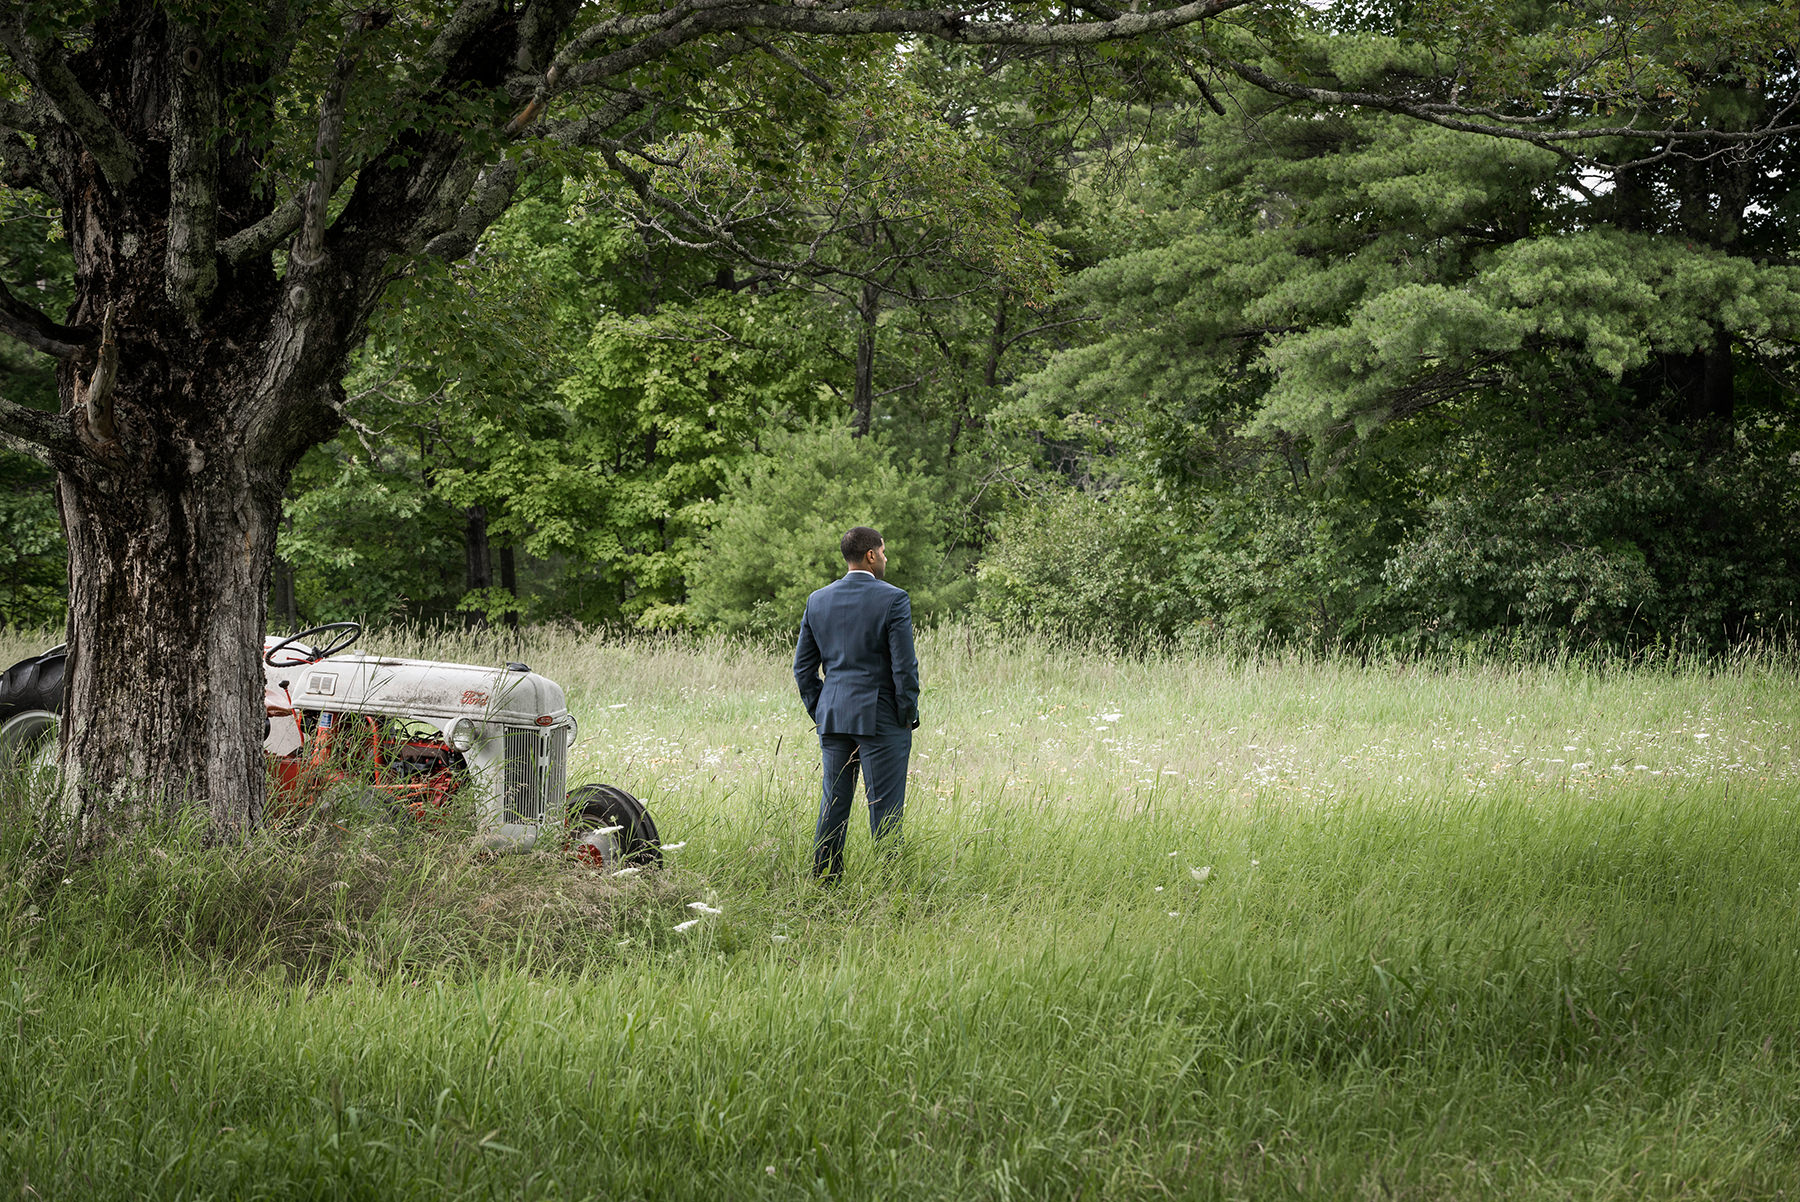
[{"x": 609, "y": 826}]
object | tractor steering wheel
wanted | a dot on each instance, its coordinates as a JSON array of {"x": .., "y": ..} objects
[{"x": 342, "y": 635}]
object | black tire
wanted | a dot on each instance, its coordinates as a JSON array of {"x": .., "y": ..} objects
[
  {"x": 34, "y": 684},
  {"x": 31, "y": 700},
  {"x": 595, "y": 806}
]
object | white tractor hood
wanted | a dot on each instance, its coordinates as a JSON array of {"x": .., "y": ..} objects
[{"x": 424, "y": 689}]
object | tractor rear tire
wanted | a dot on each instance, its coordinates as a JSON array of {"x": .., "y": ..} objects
[
  {"x": 592, "y": 807},
  {"x": 33, "y": 684},
  {"x": 31, "y": 701}
]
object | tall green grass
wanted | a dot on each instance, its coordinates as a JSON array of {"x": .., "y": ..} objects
[{"x": 1203, "y": 927}]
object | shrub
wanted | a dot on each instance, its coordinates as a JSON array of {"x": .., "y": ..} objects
[
  {"x": 1609, "y": 543},
  {"x": 775, "y": 537},
  {"x": 1081, "y": 564}
]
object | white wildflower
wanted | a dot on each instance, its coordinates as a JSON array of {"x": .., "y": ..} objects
[
  {"x": 1200, "y": 874},
  {"x": 682, "y": 926},
  {"x": 778, "y": 938},
  {"x": 1159, "y": 888},
  {"x": 674, "y": 846},
  {"x": 1174, "y": 913},
  {"x": 704, "y": 908},
  {"x": 631, "y": 871}
]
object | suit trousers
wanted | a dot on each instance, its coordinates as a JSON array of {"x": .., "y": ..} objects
[{"x": 882, "y": 760}]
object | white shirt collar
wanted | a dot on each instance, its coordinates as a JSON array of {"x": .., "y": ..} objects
[{"x": 860, "y": 572}]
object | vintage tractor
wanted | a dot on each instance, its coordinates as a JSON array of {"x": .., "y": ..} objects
[{"x": 396, "y": 736}]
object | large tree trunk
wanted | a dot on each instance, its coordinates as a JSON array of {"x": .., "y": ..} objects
[{"x": 167, "y": 578}]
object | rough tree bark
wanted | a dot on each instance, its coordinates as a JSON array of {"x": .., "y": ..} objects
[{"x": 227, "y": 263}]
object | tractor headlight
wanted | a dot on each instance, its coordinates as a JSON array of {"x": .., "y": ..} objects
[
  {"x": 463, "y": 733},
  {"x": 570, "y": 732}
]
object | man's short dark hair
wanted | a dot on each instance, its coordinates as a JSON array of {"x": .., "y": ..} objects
[{"x": 857, "y": 542}]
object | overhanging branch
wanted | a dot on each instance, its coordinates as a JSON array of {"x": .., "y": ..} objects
[
  {"x": 267, "y": 234},
  {"x": 45, "y": 437},
  {"x": 42, "y": 63},
  {"x": 37, "y": 331},
  {"x": 1523, "y": 129},
  {"x": 688, "y": 22},
  {"x": 308, "y": 249},
  {"x": 492, "y": 192}
]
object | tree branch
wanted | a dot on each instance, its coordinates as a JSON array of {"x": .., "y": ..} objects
[
  {"x": 799, "y": 68},
  {"x": 37, "y": 331},
  {"x": 684, "y": 23},
  {"x": 191, "y": 259},
  {"x": 487, "y": 199},
  {"x": 94, "y": 421},
  {"x": 308, "y": 249},
  {"x": 45, "y": 437},
  {"x": 469, "y": 20},
  {"x": 43, "y": 65},
  {"x": 1453, "y": 116},
  {"x": 267, "y": 234}
]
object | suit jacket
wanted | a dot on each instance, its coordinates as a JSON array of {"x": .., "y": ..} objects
[{"x": 859, "y": 630}]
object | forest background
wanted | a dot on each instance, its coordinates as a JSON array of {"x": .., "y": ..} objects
[{"x": 1102, "y": 347}]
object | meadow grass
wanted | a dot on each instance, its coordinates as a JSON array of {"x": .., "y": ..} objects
[{"x": 1198, "y": 927}]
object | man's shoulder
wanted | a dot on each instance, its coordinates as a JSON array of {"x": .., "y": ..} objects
[
  {"x": 881, "y": 589},
  {"x": 860, "y": 583}
]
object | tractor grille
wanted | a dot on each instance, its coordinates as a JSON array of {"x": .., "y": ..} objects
[{"x": 537, "y": 771}]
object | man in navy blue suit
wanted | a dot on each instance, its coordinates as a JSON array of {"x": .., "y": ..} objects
[{"x": 859, "y": 631}]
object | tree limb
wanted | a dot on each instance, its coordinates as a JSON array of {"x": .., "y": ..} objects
[
  {"x": 37, "y": 331},
  {"x": 308, "y": 249},
  {"x": 191, "y": 268},
  {"x": 1453, "y": 116},
  {"x": 43, "y": 65},
  {"x": 1194, "y": 77},
  {"x": 799, "y": 68},
  {"x": 45, "y": 437},
  {"x": 470, "y": 19},
  {"x": 267, "y": 234},
  {"x": 1046, "y": 327},
  {"x": 492, "y": 192},
  {"x": 94, "y": 422},
  {"x": 687, "y": 22}
]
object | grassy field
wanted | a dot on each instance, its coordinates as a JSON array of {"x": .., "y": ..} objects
[{"x": 1163, "y": 928}]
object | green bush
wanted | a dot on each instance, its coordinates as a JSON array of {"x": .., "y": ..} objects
[
  {"x": 1084, "y": 565},
  {"x": 775, "y": 538},
  {"x": 1608, "y": 543}
]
